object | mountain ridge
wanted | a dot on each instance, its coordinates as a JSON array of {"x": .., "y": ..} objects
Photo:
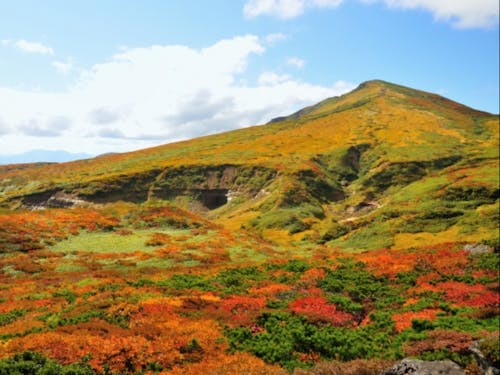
[{"x": 381, "y": 86}]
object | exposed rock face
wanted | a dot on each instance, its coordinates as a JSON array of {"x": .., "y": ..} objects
[
  {"x": 208, "y": 185},
  {"x": 418, "y": 367},
  {"x": 212, "y": 186},
  {"x": 52, "y": 199}
]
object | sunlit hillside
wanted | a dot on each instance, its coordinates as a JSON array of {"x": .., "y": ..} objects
[
  {"x": 375, "y": 164},
  {"x": 339, "y": 239}
]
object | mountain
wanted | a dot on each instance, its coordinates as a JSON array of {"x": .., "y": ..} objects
[
  {"x": 339, "y": 239},
  {"x": 381, "y": 166},
  {"x": 45, "y": 156}
]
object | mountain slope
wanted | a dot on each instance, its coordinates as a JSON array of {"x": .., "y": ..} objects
[
  {"x": 101, "y": 273},
  {"x": 384, "y": 165}
]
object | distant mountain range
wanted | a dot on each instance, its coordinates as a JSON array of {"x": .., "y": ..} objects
[{"x": 45, "y": 156}]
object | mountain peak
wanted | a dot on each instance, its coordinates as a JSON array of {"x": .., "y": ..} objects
[
  {"x": 375, "y": 82},
  {"x": 386, "y": 94}
]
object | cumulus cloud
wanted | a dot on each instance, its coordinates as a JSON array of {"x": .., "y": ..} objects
[
  {"x": 271, "y": 78},
  {"x": 461, "y": 13},
  {"x": 29, "y": 47},
  {"x": 111, "y": 133},
  {"x": 104, "y": 115},
  {"x": 274, "y": 38},
  {"x": 285, "y": 9},
  {"x": 145, "y": 96},
  {"x": 45, "y": 127},
  {"x": 201, "y": 106},
  {"x": 4, "y": 129},
  {"x": 296, "y": 62},
  {"x": 63, "y": 67}
]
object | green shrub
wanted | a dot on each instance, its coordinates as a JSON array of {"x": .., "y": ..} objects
[
  {"x": 297, "y": 266},
  {"x": 494, "y": 243},
  {"x": 483, "y": 194},
  {"x": 437, "y": 220},
  {"x": 69, "y": 295},
  {"x": 284, "y": 337},
  {"x": 181, "y": 282},
  {"x": 237, "y": 280},
  {"x": 346, "y": 304},
  {"x": 490, "y": 347},
  {"x": 11, "y": 316},
  {"x": 32, "y": 363},
  {"x": 488, "y": 261},
  {"x": 333, "y": 231},
  {"x": 287, "y": 219},
  {"x": 352, "y": 279}
]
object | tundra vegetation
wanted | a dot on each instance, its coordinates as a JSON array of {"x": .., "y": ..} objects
[{"x": 344, "y": 237}]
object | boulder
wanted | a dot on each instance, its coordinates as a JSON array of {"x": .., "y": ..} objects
[
  {"x": 418, "y": 367},
  {"x": 478, "y": 248}
]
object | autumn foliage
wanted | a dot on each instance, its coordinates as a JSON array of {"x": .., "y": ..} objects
[
  {"x": 166, "y": 292},
  {"x": 319, "y": 309}
]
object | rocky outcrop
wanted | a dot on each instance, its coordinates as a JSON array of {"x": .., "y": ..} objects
[
  {"x": 478, "y": 248},
  {"x": 210, "y": 186},
  {"x": 52, "y": 199},
  {"x": 418, "y": 367}
]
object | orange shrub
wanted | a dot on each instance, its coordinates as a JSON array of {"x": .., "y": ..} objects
[
  {"x": 318, "y": 309},
  {"x": 403, "y": 320}
]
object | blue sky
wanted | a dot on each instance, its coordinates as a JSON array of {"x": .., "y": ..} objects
[{"x": 99, "y": 76}]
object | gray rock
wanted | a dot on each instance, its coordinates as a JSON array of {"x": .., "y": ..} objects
[
  {"x": 418, "y": 367},
  {"x": 477, "y": 248}
]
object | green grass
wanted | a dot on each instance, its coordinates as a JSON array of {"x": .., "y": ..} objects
[
  {"x": 487, "y": 216},
  {"x": 422, "y": 189},
  {"x": 199, "y": 238},
  {"x": 108, "y": 242},
  {"x": 240, "y": 254},
  {"x": 155, "y": 262},
  {"x": 88, "y": 281},
  {"x": 69, "y": 267},
  {"x": 373, "y": 236}
]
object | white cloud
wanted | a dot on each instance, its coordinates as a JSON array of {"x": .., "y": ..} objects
[
  {"x": 105, "y": 116},
  {"x": 146, "y": 96},
  {"x": 461, "y": 13},
  {"x": 296, "y": 62},
  {"x": 285, "y": 9},
  {"x": 45, "y": 126},
  {"x": 29, "y": 47},
  {"x": 4, "y": 129},
  {"x": 63, "y": 67},
  {"x": 271, "y": 78},
  {"x": 274, "y": 38}
]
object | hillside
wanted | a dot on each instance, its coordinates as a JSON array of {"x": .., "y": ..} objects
[
  {"x": 384, "y": 162},
  {"x": 339, "y": 239}
]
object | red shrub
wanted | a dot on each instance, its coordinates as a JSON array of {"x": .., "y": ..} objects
[{"x": 318, "y": 309}]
